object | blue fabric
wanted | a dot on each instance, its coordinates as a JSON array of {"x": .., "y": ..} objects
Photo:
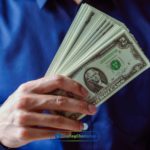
[
  {"x": 30, "y": 34},
  {"x": 2, "y": 147}
]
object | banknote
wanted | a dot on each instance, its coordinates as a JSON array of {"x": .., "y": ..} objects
[
  {"x": 110, "y": 70},
  {"x": 99, "y": 52}
]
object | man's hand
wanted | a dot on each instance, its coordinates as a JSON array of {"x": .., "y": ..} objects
[{"x": 21, "y": 117}]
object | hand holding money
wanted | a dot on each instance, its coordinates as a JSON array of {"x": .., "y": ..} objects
[
  {"x": 99, "y": 52},
  {"x": 22, "y": 116}
]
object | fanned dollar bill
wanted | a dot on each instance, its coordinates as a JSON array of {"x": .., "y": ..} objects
[{"x": 99, "y": 52}]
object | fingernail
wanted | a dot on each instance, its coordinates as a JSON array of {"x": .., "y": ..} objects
[
  {"x": 84, "y": 91},
  {"x": 92, "y": 108},
  {"x": 85, "y": 126}
]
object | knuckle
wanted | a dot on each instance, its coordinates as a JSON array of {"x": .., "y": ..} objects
[
  {"x": 21, "y": 117},
  {"x": 77, "y": 85},
  {"x": 61, "y": 100},
  {"x": 24, "y": 87},
  {"x": 22, "y": 134},
  {"x": 23, "y": 101},
  {"x": 80, "y": 88},
  {"x": 59, "y": 79}
]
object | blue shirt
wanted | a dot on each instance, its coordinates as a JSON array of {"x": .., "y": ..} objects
[{"x": 30, "y": 34}]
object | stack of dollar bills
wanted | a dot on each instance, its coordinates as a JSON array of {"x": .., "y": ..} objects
[{"x": 99, "y": 52}]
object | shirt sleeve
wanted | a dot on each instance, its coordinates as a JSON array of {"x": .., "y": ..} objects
[{"x": 2, "y": 147}]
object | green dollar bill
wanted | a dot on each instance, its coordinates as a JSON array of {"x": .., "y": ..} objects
[
  {"x": 100, "y": 53},
  {"x": 111, "y": 69}
]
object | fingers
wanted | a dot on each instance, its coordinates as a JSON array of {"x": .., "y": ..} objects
[
  {"x": 46, "y": 85},
  {"x": 60, "y": 103},
  {"x": 23, "y": 118}
]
